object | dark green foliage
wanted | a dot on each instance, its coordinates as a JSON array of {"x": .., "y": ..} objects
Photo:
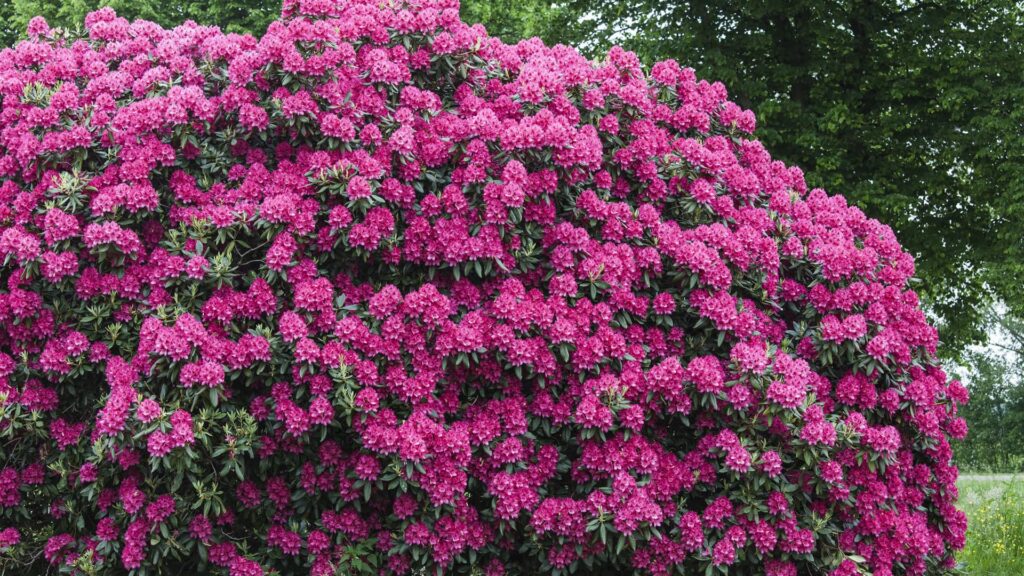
[
  {"x": 8, "y": 34},
  {"x": 241, "y": 16},
  {"x": 512, "y": 20}
]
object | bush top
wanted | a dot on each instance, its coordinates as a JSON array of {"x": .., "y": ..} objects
[{"x": 376, "y": 292}]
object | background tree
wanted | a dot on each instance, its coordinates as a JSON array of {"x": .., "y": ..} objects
[
  {"x": 8, "y": 34},
  {"x": 512, "y": 20},
  {"x": 996, "y": 410},
  {"x": 240, "y": 16}
]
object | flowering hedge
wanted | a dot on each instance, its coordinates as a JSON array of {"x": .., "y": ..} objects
[{"x": 377, "y": 293}]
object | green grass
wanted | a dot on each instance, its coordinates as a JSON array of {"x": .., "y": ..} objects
[{"x": 994, "y": 504}]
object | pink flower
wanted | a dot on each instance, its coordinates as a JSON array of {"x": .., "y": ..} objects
[
  {"x": 771, "y": 463},
  {"x": 200, "y": 528},
  {"x": 9, "y": 537},
  {"x": 245, "y": 567},
  {"x": 706, "y": 373},
  {"x": 148, "y": 410},
  {"x": 206, "y": 373}
]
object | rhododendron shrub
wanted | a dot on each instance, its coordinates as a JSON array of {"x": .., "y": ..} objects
[{"x": 379, "y": 293}]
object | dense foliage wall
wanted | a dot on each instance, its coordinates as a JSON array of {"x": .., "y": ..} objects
[{"x": 376, "y": 291}]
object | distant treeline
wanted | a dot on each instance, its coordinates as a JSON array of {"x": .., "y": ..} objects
[{"x": 995, "y": 416}]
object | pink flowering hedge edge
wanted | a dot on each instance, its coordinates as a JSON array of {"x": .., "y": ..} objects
[{"x": 379, "y": 293}]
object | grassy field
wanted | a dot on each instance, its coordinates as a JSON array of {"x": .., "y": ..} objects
[{"x": 994, "y": 504}]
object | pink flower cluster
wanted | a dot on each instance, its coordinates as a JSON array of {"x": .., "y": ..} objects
[{"x": 377, "y": 285}]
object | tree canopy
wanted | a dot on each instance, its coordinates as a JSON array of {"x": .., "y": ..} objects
[{"x": 250, "y": 16}]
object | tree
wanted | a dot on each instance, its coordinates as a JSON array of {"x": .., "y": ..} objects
[
  {"x": 513, "y": 20},
  {"x": 241, "y": 16},
  {"x": 996, "y": 409},
  {"x": 8, "y": 33}
]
